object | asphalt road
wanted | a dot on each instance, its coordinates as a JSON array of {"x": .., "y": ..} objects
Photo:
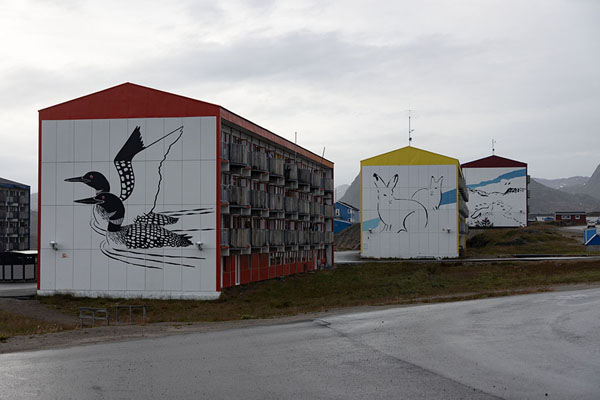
[{"x": 536, "y": 346}]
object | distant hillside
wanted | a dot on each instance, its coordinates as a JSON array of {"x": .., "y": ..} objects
[
  {"x": 563, "y": 182},
  {"x": 340, "y": 191},
  {"x": 352, "y": 195},
  {"x": 547, "y": 200},
  {"x": 590, "y": 188}
]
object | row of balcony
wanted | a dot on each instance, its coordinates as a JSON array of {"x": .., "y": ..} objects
[
  {"x": 14, "y": 231},
  {"x": 241, "y": 196},
  {"x": 14, "y": 199},
  {"x": 244, "y": 238},
  {"x": 239, "y": 155},
  {"x": 14, "y": 215}
]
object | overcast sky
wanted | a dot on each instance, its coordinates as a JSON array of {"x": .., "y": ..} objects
[{"x": 341, "y": 73}]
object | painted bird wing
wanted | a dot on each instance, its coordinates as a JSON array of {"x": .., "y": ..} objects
[{"x": 123, "y": 163}]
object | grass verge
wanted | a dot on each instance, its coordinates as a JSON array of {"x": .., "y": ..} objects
[
  {"x": 534, "y": 239},
  {"x": 356, "y": 285},
  {"x": 15, "y": 324}
]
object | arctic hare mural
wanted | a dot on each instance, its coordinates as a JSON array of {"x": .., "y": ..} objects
[{"x": 403, "y": 215}]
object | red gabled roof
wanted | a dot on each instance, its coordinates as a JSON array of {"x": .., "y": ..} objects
[
  {"x": 494, "y": 162},
  {"x": 129, "y": 100}
]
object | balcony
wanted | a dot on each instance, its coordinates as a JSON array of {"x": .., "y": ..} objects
[
  {"x": 259, "y": 199},
  {"x": 239, "y": 196},
  {"x": 303, "y": 207},
  {"x": 238, "y": 154},
  {"x": 258, "y": 161},
  {"x": 224, "y": 195},
  {"x": 316, "y": 179},
  {"x": 291, "y": 172},
  {"x": 291, "y": 205},
  {"x": 276, "y": 237},
  {"x": 303, "y": 237},
  {"x": 304, "y": 176},
  {"x": 316, "y": 208},
  {"x": 225, "y": 234},
  {"x": 259, "y": 237},
  {"x": 328, "y": 211},
  {"x": 328, "y": 184},
  {"x": 316, "y": 237},
  {"x": 291, "y": 238},
  {"x": 224, "y": 151},
  {"x": 240, "y": 238},
  {"x": 276, "y": 202},
  {"x": 276, "y": 166},
  {"x": 23, "y": 215}
]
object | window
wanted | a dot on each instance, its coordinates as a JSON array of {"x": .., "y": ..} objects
[
  {"x": 337, "y": 212},
  {"x": 578, "y": 217}
]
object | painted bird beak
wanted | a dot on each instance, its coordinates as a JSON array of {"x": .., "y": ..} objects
[
  {"x": 89, "y": 200},
  {"x": 77, "y": 179}
]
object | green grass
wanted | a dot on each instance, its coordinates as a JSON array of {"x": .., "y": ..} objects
[
  {"x": 15, "y": 324},
  {"x": 365, "y": 284},
  {"x": 534, "y": 239}
]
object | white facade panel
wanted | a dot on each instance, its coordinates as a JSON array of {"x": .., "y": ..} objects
[
  {"x": 497, "y": 196},
  {"x": 409, "y": 211},
  {"x": 170, "y": 170}
]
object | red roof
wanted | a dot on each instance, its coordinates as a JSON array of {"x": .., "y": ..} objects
[
  {"x": 494, "y": 162},
  {"x": 129, "y": 100}
]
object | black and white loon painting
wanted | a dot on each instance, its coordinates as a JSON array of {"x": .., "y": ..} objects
[{"x": 134, "y": 239}]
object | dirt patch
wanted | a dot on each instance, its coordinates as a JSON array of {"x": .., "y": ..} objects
[{"x": 31, "y": 308}]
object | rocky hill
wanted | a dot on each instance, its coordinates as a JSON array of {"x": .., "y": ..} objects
[
  {"x": 562, "y": 183},
  {"x": 352, "y": 195}
]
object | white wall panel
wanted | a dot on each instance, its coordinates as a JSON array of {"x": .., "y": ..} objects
[
  {"x": 49, "y": 141},
  {"x": 48, "y": 269},
  {"x": 100, "y": 140},
  {"x": 48, "y": 226},
  {"x": 82, "y": 269},
  {"x": 82, "y": 140},
  {"x": 48, "y": 183},
  {"x": 64, "y": 190},
  {"x": 99, "y": 279},
  {"x": 96, "y": 264},
  {"x": 64, "y": 141}
]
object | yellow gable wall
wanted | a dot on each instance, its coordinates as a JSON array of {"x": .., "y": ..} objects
[{"x": 409, "y": 156}]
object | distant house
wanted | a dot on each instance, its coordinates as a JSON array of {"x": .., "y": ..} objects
[
  {"x": 591, "y": 239},
  {"x": 571, "y": 217},
  {"x": 345, "y": 215}
]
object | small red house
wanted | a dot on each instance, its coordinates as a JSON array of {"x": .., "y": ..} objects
[{"x": 570, "y": 217}]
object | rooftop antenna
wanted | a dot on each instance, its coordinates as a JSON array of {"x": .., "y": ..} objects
[
  {"x": 493, "y": 146},
  {"x": 409, "y": 130},
  {"x": 295, "y": 148}
]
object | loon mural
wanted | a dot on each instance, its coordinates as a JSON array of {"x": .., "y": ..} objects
[{"x": 147, "y": 231}]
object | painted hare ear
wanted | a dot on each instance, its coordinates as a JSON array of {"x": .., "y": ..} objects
[
  {"x": 377, "y": 178},
  {"x": 394, "y": 180}
]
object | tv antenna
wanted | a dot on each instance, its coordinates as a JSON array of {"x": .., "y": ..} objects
[
  {"x": 409, "y": 130},
  {"x": 493, "y": 146}
]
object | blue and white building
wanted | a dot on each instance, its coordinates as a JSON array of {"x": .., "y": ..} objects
[{"x": 345, "y": 215}]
